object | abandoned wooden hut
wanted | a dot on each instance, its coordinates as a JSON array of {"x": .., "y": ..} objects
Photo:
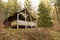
[{"x": 22, "y": 19}]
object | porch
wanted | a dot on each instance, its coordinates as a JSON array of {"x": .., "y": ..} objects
[{"x": 22, "y": 23}]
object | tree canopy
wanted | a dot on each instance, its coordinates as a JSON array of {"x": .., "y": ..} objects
[
  {"x": 9, "y": 8},
  {"x": 28, "y": 4},
  {"x": 44, "y": 16}
]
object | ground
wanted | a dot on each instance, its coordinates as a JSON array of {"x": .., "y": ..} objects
[{"x": 29, "y": 34}]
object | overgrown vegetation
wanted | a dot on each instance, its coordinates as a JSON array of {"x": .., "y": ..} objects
[
  {"x": 19, "y": 35},
  {"x": 28, "y": 4},
  {"x": 22, "y": 34},
  {"x": 57, "y": 9},
  {"x": 44, "y": 16},
  {"x": 8, "y": 9}
]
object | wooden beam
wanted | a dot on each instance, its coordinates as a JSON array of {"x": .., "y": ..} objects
[
  {"x": 31, "y": 21},
  {"x": 17, "y": 21},
  {"x": 25, "y": 20},
  {"x": 36, "y": 23}
]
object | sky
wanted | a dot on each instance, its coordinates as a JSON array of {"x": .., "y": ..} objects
[{"x": 34, "y": 3}]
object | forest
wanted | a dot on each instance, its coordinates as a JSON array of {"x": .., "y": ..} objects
[{"x": 43, "y": 24}]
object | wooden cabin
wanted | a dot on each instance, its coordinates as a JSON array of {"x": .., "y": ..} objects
[{"x": 22, "y": 19}]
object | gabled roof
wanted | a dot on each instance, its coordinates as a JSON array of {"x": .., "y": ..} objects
[{"x": 32, "y": 13}]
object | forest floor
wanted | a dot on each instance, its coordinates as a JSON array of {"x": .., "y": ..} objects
[{"x": 29, "y": 34}]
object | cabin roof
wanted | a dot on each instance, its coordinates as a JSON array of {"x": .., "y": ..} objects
[{"x": 32, "y": 13}]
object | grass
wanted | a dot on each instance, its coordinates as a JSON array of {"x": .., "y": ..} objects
[
  {"x": 55, "y": 34},
  {"x": 29, "y": 34}
]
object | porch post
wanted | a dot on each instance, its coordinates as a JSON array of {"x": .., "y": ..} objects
[
  {"x": 25, "y": 20},
  {"x": 31, "y": 21},
  {"x": 17, "y": 21},
  {"x": 36, "y": 22}
]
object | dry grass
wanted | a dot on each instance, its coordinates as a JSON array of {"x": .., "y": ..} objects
[{"x": 29, "y": 34}]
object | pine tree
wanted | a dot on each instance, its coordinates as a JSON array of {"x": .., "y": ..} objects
[
  {"x": 44, "y": 19},
  {"x": 12, "y": 7},
  {"x": 2, "y": 10},
  {"x": 8, "y": 9},
  {"x": 28, "y": 4}
]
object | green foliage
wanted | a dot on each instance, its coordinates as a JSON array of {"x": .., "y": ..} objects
[
  {"x": 58, "y": 2},
  {"x": 28, "y": 4},
  {"x": 12, "y": 6},
  {"x": 44, "y": 13},
  {"x": 2, "y": 10},
  {"x": 8, "y": 9}
]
